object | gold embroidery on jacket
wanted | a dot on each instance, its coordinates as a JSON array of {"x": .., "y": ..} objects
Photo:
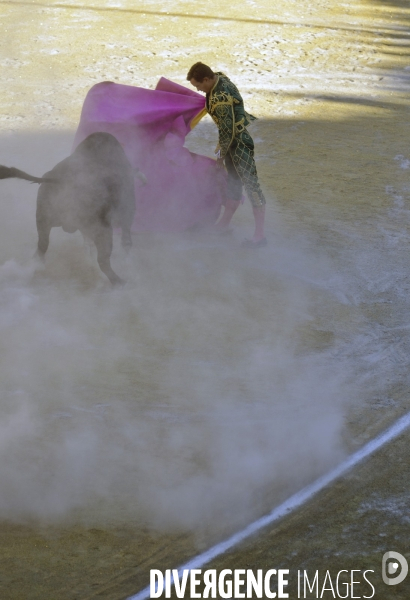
[{"x": 225, "y": 106}]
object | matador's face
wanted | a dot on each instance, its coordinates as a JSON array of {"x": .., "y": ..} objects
[{"x": 203, "y": 86}]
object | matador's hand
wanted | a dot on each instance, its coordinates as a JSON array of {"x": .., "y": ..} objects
[{"x": 219, "y": 163}]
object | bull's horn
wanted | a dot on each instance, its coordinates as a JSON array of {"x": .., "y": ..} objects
[{"x": 140, "y": 176}]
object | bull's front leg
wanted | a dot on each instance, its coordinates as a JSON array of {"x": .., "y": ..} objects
[
  {"x": 126, "y": 211},
  {"x": 126, "y": 239},
  {"x": 102, "y": 237}
]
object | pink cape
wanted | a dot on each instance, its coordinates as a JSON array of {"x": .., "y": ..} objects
[{"x": 183, "y": 189}]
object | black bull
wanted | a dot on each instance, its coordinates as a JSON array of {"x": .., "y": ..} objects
[{"x": 93, "y": 191}]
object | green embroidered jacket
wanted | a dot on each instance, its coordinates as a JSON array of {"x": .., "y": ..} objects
[{"x": 225, "y": 105}]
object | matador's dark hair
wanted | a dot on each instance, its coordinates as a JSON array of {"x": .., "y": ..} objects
[{"x": 199, "y": 71}]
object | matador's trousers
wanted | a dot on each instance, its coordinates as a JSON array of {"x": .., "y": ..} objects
[{"x": 241, "y": 167}]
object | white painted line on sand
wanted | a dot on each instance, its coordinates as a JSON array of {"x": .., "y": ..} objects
[{"x": 291, "y": 503}]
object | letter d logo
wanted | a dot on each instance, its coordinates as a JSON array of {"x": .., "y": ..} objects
[{"x": 391, "y": 568}]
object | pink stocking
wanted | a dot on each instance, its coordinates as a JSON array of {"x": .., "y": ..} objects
[
  {"x": 229, "y": 211},
  {"x": 259, "y": 215}
]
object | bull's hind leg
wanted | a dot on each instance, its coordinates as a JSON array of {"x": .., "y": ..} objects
[
  {"x": 43, "y": 230},
  {"x": 44, "y": 219},
  {"x": 102, "y": 236}
]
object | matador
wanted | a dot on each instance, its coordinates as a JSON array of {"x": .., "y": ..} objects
[{"x": 235, "y": 148}]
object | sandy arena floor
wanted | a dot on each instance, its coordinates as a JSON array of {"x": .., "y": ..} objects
[{"x": 138, "y": 427}]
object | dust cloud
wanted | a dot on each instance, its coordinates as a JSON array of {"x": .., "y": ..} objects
[{"x": 187, "y": 400}]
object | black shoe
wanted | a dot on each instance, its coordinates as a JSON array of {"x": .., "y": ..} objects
[{"x": 251, "y": 244}]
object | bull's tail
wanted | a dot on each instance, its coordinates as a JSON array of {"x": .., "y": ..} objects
[{"x": 9, "y": 172}]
